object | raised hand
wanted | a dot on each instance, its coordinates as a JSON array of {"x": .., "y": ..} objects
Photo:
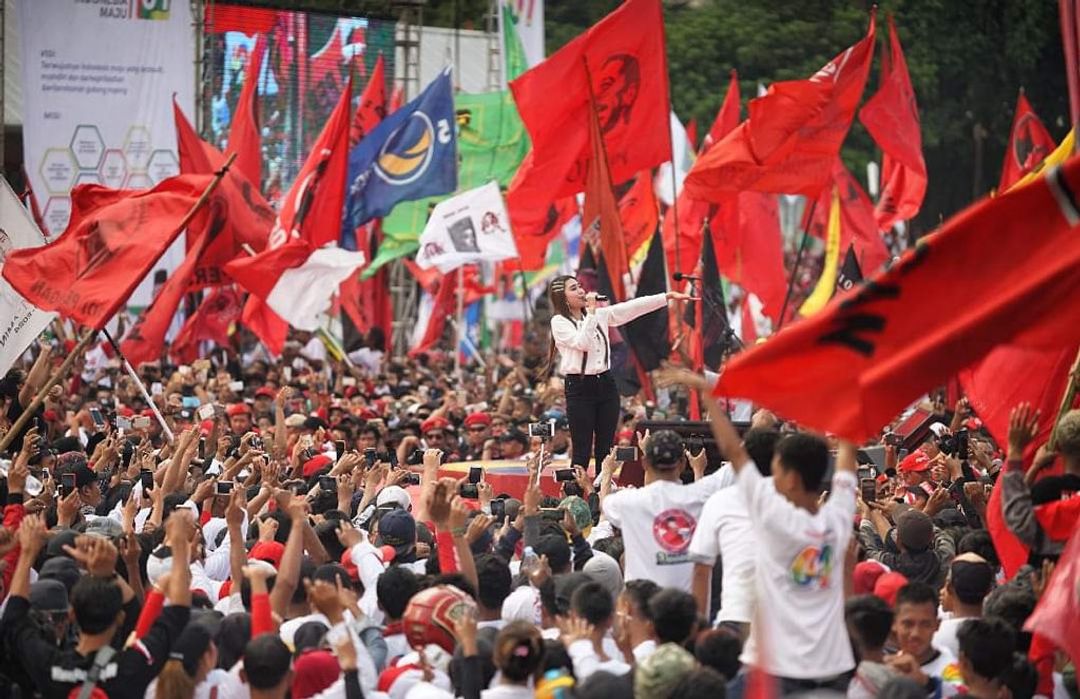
[{"x": 1023, "y": 426}]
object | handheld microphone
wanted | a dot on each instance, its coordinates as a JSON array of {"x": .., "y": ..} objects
[
  {"x": 600, "y": 298},
  {"x": 680, "y": 277}
]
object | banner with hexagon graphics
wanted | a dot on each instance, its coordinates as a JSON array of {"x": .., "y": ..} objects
[{"x": 98, "y": 80}]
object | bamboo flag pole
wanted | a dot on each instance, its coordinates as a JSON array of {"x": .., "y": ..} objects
[
  {"x": 58, "y": 375},
  {"x": 1067, "y": 400}
]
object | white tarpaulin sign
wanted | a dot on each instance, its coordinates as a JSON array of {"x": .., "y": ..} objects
[
  {"x": 98, "y": 79},
  {"x": 20, "y": 322},
  {"x": 470, "y": 227}
]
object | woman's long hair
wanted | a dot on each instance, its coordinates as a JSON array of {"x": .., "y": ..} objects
[
  {"x": 519, "y": 651},
  {"x": 179, "y": 675},
  {"x": 559, "y": 306}
]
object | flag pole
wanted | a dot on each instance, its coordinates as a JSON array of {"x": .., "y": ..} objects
[
  {"x": 458, "y": 322},
  {"x": 142, "y": 387},
  {"x": 58, "y": 375},
  {"x": 795, "y": 267},
  {"x": 1067, "y": 400}
]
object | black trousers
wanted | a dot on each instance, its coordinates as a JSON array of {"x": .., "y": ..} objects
[{"x": 592, "y": 408}]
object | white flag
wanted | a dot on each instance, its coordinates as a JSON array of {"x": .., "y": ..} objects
[
  {"x": 302, "y": 293},
  {"x": 470, "y": 227},
  {"x": 20, "y": 321}
]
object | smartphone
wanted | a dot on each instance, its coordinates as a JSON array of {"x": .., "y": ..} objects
[
  {"x": 498, "y": 510},
  {"x": 391, "y": 458},
  {"x": 868, "y": 489},
  {"x": 327, "y": 484},
  {"x": 962, "y": 444},
  {"x": 475, "y": 474},
  {"x": 893, "y": 439},
  {"x": 67, "y": 484},
  {"x": 141, "y": 422},
  {"x": 146, "y": 478},
  {"x": 236, "y": 386},
  {"x": 97, "y": 418},
  {"x": 563, "y": 475},
  {"x": 202, "y": 447},
  {"x": 552, "y": 514},
  {"x": 122, "y": 423},
  {"x": 625, "y": 454},
  {"x": 370, "y": 455},
  {"x": 469, "y": 491},
  {"x": 206, "y": 412},
  {"x": 339, "y": 449},
  {"x": 412, "y": 479},
  {"x": 156, "y": 388},
  {"x": 348, "y": 381},
  {"x": 225, "y": 487},
  {"x": 286, "y": 373},
  {"x": 191, "y": 402},
  {"x": 545, "y": 430}
]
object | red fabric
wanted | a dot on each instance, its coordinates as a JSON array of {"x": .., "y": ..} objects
[
  {"x": 445, "y": 304},
  {"x": 749, "y": 253},
  {"x": 268, "y": 551},
  {"x": 691, "y": 134},
  {"x": 1057, "y": 616},
  {"x": 444, "y": 544},
  {"x": 152, "y": 606},
  {"x": 892, "y": 118},
  {"x": 221, "y": 18},
  {"x": 858, "y": 226},
  {"x": 1058, "y": 519},
  {"x": 372, "y": 107},
  {"x": 1042, "y": 653},
  {"x": 793, "y": 134},
  {"x": 749, "y": 329},
  {"x": 600, "y": 218},
  {"x": 244, "y": 138},
  {"x": 88, "y": 273},
  {"x": 310, "y": 216},
  {"x": 535, "y": 228},
  {"x": 197, "y": 157},
  {"x": 427, "y": 278},
  {"x": 1029, "y": 144},
  {"x": 727, "y": 119},
  {"x": 210, "y": 321},
  {"x": 639, "y": 213},
  {"x": 553, "y": 99},
  {"x": 880, "y": 346},
  {"x": 262, "y": 621},
  {"x": 13, "y": 516},
  {"x": 397, "y": 98}
]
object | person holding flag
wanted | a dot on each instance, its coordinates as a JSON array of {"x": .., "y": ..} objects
[{"x": 580, "y": 330}]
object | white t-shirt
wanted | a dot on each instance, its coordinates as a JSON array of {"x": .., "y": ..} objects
[
  {"x": 800, "y": 579},
  {"x": 945, "y": 637},
  {"x": 657, "y": 523},
  {"x": 725, "y": 530}
]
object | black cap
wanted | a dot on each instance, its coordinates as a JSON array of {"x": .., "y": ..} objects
[
  {"x": 49, "y": 596},
  {"x": 514, "y": 436},
  {"x": 664, "y": 449}
]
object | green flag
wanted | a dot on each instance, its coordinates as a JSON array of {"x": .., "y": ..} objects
[
  {"x": 491, "y": 143},
  {"x": 515, "y": 53}
]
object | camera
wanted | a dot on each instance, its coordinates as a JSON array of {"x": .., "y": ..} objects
[
  {"x": 412, "y": 479},
  {"x": 625, "y": 454},
  {"x": 224, "y": 487},
  {"x": 544, "y": 430},
  {"x": 415, "y": 458},
  {"x": 327, "y": 484}
]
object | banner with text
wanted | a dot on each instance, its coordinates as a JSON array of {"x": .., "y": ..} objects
[{"x": 98, "y": 80}]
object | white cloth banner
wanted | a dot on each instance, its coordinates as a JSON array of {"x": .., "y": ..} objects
[
  {"x": 682, "y": 162},
  {"x": 20, "y": 322},
  {"x": 97, "y": 80},
  {"x": 470, "y": 227},
  {"x": 303, "y": 292}
]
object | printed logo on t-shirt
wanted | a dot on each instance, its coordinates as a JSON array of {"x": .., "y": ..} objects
[
  {"x": 812, "y": 566},
  {"x": 673, "y": 530}
]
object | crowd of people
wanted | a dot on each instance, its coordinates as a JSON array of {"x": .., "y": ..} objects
[{"x": 295, "y": 532}]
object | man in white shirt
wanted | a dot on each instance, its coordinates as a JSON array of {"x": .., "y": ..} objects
[
  {"x": 658, "y": 520},
  {"x": 968, "y": 582},
  {"x": 725, "y": 531},
  {"x": 914, "y": 626},
  {"x": 799, "y": 562},
  {"x": 585, "y": 632}
]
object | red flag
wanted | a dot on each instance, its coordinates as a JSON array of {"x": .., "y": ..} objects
[
  {"x": 89, "y": 272},
  {"x": 300, "y": 219},
  {"x": 691, "y": 134},
  {"x": 727, "y": 119},
  {"x": 210, "y": 321},
  {"x": 372, "y": 107},
  {"x": 532, "y": 239},
  {"x": 872, "y": 352},
  {"x": 197, "y": 157},
  {"x": 892, "y": 118},
  {"x": 793, "y": 134},
  {"x": 858, "y": 226},
  {"x": 1011, "y": 551},
  {"x": 749, "y": 328},
  {"x": 623, "y": 54},
  {"x": 1057, "y": 616},
  {"x": 749, "y": 251},
  {"x": 601, "y": 214},
  {"x": 244, "y": 138},
  {"x": 397, "y": 98},
  {"x": 639, "y": 213},
  {"x": 1029, "y": 144},
  {"x": 464, "y": 280}
]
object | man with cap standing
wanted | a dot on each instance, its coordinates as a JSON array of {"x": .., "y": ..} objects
[
  {"x": 239, "y": 418},
  {"x": 915, "y": 472},
  {"x": 477, "y": 433},
  {"x": 658, "y": 520}
]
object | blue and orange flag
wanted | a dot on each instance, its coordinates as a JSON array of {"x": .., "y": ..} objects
[{"x": 411, "y": 154}]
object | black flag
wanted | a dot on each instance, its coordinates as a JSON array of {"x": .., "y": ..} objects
[
  {"x": 648, "y": 335},
  {"x": 850, "y": 273}
]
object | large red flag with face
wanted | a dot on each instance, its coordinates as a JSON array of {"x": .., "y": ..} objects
[
  {"x": 1029, "y": 144},
  {"x": 623, "y": 55},
  {"x": 244, "y": 139},
  {"x": 877, "y": 348},
  {"x": 892, "y": 118},
  {"x": 113, "y": 241},
  {"x": 858, "y": 227},
  {"x": 793, "y": 134}
]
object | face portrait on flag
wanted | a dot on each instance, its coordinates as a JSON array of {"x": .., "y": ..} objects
[
  {"x": 616, "y": 90},
  {"x": 5, "y": 245}
]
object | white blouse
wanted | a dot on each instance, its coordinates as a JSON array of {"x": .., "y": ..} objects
[{"x": 584, "y": 345}]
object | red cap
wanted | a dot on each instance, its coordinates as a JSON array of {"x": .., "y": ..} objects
[
  {"x": 147, "y": 413},
  {"x": 478, "y": 419},
  {"x": 238, "y": 409},
  {"x": 265, "y": 392},
  {"x": 351, "y": 391},
  {"x": 888, "y": 585},
  {"x": 865, "y": 575},
  {"x": 206, "y": 427},
  {"x": 124, "y": 411},
  {"x": 434, "y": 423},
  {"x": 368, "y": 414},
  {"x": 316, "y": 464},
  {"x": 269, "y": 551},
  {"x": 625, "y": 434},
  {"x": 915, "y": 461},
  {"x": 349, "y": 566}
]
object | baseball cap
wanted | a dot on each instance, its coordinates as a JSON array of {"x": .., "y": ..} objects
[
  {"x": 915, "y": 461},
  {"x": 316, "y": 464},
  {"x": 664, "y": 449},
  {"x": 434, "y": 423},
  {"x": 915, "y": 530},
  {"x": 61, "y": 569},
  {"x": 397, "y": 528},
  {"x": 866, "y": 575},
  {"x": 104, "y": 527},
  {"x": 49, "y": 596},
  {"x": 238, "y": 409},
  {"x": 269, "y": 551},
  {"x": 394, "y": 495},
  {"x": 295, "y": 421},
  {"x": 477, "y": 419},
  {"x": 579, "y": 510},
  {"x": 264, "y": 392},
  {"x": 888, "y": 586}
]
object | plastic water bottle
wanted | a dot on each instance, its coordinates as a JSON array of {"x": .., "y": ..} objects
[{"x": 529, "y": 561}]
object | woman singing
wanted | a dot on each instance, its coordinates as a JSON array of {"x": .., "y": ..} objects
[{"x": 579, "y": 331}]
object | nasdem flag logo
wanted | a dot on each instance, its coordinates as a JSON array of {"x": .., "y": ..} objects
[{"x": 407, "y": 153}]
